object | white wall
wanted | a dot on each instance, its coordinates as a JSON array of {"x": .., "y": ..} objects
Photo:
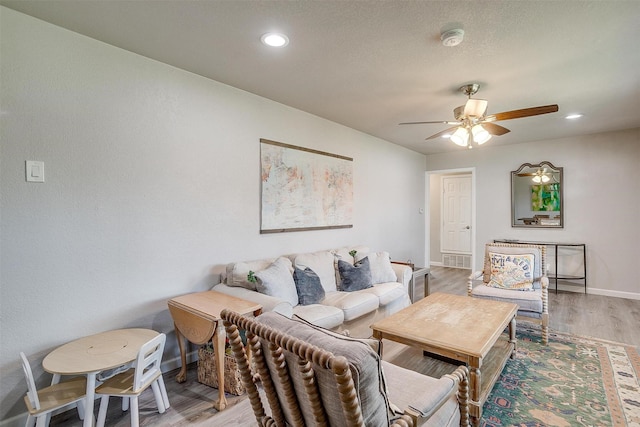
[
  {"x": 601, "y": 200},
  {"x": 152, "y": 185}
]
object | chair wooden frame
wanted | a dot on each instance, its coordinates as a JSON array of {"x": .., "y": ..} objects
[
  {"x": 307, "y": 356},
  {"x": 130, "y": 384},
  {"x": 41, "y": 403},
  {"x": 544, "y": 284}
]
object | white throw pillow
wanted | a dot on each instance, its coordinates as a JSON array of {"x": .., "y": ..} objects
[
  {"x": 380, "y": 264},
  {"x": 277, "y": 281}
]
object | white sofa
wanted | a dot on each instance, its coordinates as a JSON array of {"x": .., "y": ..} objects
[{"x": 338, "y": 309}]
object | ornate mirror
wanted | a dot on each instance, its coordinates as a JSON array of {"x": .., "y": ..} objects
[{"x": 536, "y": 196}]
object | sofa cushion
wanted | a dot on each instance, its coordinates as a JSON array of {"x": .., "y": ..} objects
[
  {"x": 387, "y": 292},
  {"x": 308, "y": 286},
  {"x": 322, "y": 264},
  {"x": 322, "y": 315},
  {"x": 380, "y": 264},
  {"x": 354, "y": 277},
  {"x": 527, "y": 301},
  {"x": 353, "y": 304},
  {"x": 237, "y": 272},
  {"x": 514, "y": 272},
  {"x": 364, "y": 365}
]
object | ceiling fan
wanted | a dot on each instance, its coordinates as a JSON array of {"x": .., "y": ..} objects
[
  {"x": 471, "y": 119},
  {"x": 541, "y": 176}
]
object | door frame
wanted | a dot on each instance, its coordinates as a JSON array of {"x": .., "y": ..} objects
[{"x": 428, "y": 177}]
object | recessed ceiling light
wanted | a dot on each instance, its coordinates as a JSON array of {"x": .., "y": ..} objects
[
  {"x": 573, "y": 116},
  {"x": 274, "y": 39}
]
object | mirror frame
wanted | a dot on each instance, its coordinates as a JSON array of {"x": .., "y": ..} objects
[{"x": 514, "y": 175}]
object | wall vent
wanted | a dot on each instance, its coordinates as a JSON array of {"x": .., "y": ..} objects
[{"x": 456, "y": 261}]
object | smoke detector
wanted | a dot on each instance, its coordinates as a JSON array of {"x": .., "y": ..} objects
[{"x": 452, "y": 38}]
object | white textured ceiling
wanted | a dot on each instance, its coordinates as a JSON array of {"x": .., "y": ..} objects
[{"x": 372, "y": 64}]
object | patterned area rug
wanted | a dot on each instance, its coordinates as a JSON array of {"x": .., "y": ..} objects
[{"x": 574, "y": 381}]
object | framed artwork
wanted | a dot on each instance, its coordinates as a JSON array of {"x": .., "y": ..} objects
[
  {"x": 545, "y": 197},
  {"x": 304, "y": 189}
]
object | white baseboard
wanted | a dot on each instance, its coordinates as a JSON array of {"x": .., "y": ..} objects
[
  {"x": 579, "y": 288},
  {"x": 435, "y": 264},
  {"x": 616, "y": 294}
]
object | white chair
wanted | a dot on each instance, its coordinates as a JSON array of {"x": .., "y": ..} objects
[
  {"x": 130, "y": 384},
  {"x": 40, "y": 403},
  {"x": 532, "y": 305}
]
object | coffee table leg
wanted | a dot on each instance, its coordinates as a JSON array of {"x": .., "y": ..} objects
[
  {"x": 218, "y": 350},
  {"x": 475, "y": 380},
  {"x": 182, "y": 375},
  {"x": 512, "y": 337}
]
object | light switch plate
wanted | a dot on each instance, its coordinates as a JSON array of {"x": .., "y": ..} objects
[{"x": 34, "y": 171}]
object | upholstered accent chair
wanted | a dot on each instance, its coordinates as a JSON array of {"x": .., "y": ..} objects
[
  {"x": 315, "y": 377},
  {"x": 502, "y": 285}
]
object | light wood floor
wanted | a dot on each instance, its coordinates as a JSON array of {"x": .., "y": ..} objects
[{"x": 591, "y": 315}]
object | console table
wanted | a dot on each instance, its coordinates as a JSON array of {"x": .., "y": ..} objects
[{"x": 557, "y": 275}]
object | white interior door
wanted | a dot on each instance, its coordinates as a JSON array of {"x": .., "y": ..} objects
[{"x": 456, "y": 214}]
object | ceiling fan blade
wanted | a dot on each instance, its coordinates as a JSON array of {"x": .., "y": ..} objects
[
  {"x": 436, "y": 135},
  {"x": 525, "y": 112},
  {"x": 426, "y": 123},
  {"x": 495, "y": 129}
]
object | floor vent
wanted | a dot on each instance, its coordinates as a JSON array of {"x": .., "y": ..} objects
[{"x": 456, "y": 261}]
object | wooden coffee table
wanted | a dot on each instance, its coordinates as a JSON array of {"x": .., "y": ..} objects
[
  {"x": 461, "y": 328},
  {"x": 196, "y": 317}
]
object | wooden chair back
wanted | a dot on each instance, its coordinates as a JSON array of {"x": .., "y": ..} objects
[
  {"x": 40, "y": 403},
  {"x": 147, "y": 364},
  {"x": 278, "y": 358},
  {"x": 32, "y": 391}
]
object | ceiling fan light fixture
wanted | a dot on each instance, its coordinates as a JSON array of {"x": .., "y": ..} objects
[
  {"x": 475, "y": 107},
  {"x": 480, "y": 134},
  {"x": 573, "y": 116},
  {"x": 460, "y": 137}
]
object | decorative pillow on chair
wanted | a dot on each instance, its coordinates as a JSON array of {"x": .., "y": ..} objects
[
  {"x": 277, "y": 281},
  {"x": 509, "y": 271},
  {"x": 355, "y": 277},
  {"x": 310, "y": 290}
]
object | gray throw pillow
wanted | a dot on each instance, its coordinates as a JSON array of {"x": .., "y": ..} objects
[
  {"x": 308, "y": 286},
  {"x": 355, "y": 277}
]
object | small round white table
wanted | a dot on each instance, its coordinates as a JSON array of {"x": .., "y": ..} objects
[{"x": 93, "y": 354}]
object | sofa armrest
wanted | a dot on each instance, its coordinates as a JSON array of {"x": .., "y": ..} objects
[
  {"x": 474, "y": 279},
  {"x": 267, "y": 302},
  {"x": 403, "y": 274}
]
